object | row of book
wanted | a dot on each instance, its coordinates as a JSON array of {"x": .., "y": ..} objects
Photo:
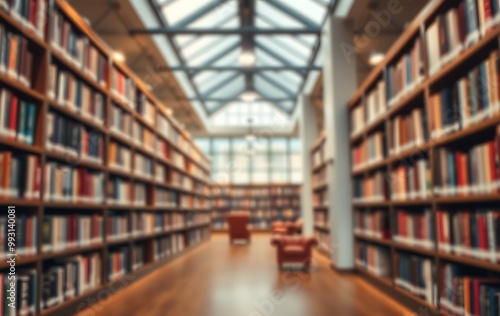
[
  {"x": 32, "y": 14},
  {"x": 466, "y": 100},
  {"x": 415, "y": 228},
  {"x": 145, "y": 108},
  {"x": 120, "y": 156},
  {"x": 70, "y": 137},
  {"x": 411, "y": 181},
  {"x": 197, "y": 235},
  {"x": 149, "y": 223},
  {"x": 321, "y": 219},
  {"x": 466, "y": 293},
  {"x": 473, "y": 234},
  {"x": 459, "y": 27},
  {"x": 162, "y": 247},
  {"x": 376, "y": 102},
  {"x": 142, "y": 136},
  {"x": 117, "y": 226},
  {"x": 320, "y": 199},
  {"x": 137, "y": 257},
  {"x": 161, "y": 174},
  {"x": 122, "y": 87},
  {"x": 375, "y": 224},
  {"x": 370, "y": 189},
  {"x": 318, "y": 156},
  {"x": 68, "y": 184},
  {"x": 67, "y": 278},
  {"x": 17, "y": 118},
  {"x": 20, "y": 176},
  {"x": 18, "y": 292},
  {"x": 416, "y": 275},
  {"x": 371, "y": 150},
  {"x": 16, "y": 58},
  {"x": 140, "y": 197},
  {"x": 118, "y": 191},
  {"x": 76, "y": 47},
  {"x": 118, "y": 263},
  {"x": 120, "y": 121},
  {"x": 26, "y": 235},
  {"x": 357, "y": 119},
  {"x": 165, "y": 198},
  {"x": 405, "y": 74},
  {"x": 374, "y": 259},
  {"x": 62, "y": 232},
  {"x": 319, "y": 177},
  {"x": 475, "y": 171},
  {"x": 143, "y": 166},
  {"x": 408, "y": 131},
  {"x": 68, "y": 90}
]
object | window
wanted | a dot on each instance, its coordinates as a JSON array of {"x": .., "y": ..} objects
[{"x": 272, "y": 160}]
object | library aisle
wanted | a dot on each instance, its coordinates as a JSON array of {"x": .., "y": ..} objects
[{"x": 217, "y": 279}]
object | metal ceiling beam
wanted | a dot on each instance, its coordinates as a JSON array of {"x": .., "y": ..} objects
[
  {"x": 238, "y": 31},
  {"x": 215, "y": 58},
  {"x": 278, "y": 85},
  {"x": 198, "y": 14},
  {"x": 275, "y": 25},
  {"x": 239, "y": 69},
  {"x": 282, "y": 60},
  {"x": 164, "y": 3},
  {"x": 220, "y": 86},
  {"x": 262, "y": 99},
  {"x": 293, "y": 13},
  {"x": 216, "y": 26}
]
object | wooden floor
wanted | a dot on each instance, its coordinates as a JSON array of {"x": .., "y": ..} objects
[{"x": 216, "y": 279}]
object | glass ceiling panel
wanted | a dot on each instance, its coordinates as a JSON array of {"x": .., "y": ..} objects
[
  {"x": 261, "y": 113},
  {"x": 208, "y": 80},
  {"x": 209, "y": 49},
  {"x": 292, "y": 78},
  {"x": 264, "y": 59},
  {"x": 229, "y": 60},
  {"x": 230, "y": 90},
  {"x": 217, "y": 15},
  {"x": 268, "y": 90},
  {"x": 284, "y": 20},
  {"x": 178, "y": 10},
  {"x": 290, "y": 43},
  {"x": 314, "y": 10},
  {"x": 284, "y": 52}
]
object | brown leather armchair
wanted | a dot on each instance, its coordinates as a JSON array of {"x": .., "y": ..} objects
[
  {"x": 294, "y": 249},
  {"x": 239, "y": 227}
]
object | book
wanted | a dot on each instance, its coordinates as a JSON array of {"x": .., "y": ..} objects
[
  {"x": 62, "y": 232},
  {"x": 122, "y": 87},
  {"x": 143, "y": 166},
  {"x": 408, "y": 131},
  {"x": 118, "y": 226},
  {"x": 416, "y": 275},
  {"x": 25, "y": 283},
  {"x": 73, "y": 185},
  {"x": 415, "y": 228},
  {"x": 119, "y": 157},
  {"x": 470, "y": 233},
  {"x": 376, "y": 102},
  {"x": 17, "y": 118},
  {"x": 20, "y": 176},
  {"x": 373, "y": 223},
  {"x": 26, "y": 235},
  {"x": 32, "y": 14},
  {"x": 72, "y": 138},
  {"x": 118, "y": 263},
  {"x": 121, "y": 121},
  {"x": 374, "y": 259},
  {"x": 409, "y": 180},
  {"x": 373, "y": 188},
  {"x": 165, "y": 198},
  {"x": 370, "y": 151},
  {"x": 16, "y": 58},
  {"x": 119, "y": 191}
]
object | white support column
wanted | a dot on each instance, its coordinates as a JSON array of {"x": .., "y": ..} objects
[
  {"x": 308, "y": 133},
  {"x": 339, "y": 84}
]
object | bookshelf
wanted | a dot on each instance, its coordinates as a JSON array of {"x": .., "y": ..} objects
[
  {"x": 265, "y": 202},
  {"x": 425, "y": 145},
  {"x": 320, "y": 194},
  {"x": 101, "y": 175}
]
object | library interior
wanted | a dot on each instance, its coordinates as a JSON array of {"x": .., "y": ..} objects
[{"x": 249, "y": 157}]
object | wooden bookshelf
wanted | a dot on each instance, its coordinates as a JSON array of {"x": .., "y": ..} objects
[
  {"x": 414, "y": 97},
  {"x": 265, "y": 202},
  {"x": 320, "y": 194},
  {"x": 187, "y": 179}
]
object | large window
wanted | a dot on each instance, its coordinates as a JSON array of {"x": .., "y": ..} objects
[{"x": 265, "y": 160}]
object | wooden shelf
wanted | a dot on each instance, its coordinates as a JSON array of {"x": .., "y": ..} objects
[
  {"x": 384, "y": 242},
  {"x": 20, "y": 146},
  {"x": 322, "y": 228},
  {"x": 476, "y": 263}
]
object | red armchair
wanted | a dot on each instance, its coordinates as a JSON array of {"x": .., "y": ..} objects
[
  {"x": 287, "y": 228},
  {"x": 239, "y": 226},
  {"x": 294, "y": 249}
]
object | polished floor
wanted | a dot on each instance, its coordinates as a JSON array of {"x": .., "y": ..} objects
[{"x": 216, "y": 279}]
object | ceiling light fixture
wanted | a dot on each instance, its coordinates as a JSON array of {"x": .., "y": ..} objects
[
  {"x": 247, "y": 58},
  {"x": 249, "y": 96},
  {"x": 118, "y": 56},
  {"x": 376, "y": 58}
]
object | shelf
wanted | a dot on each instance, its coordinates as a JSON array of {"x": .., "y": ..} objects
[
  {"x": 40, "y": 42},
  {"x": 469, "y": 131},
  {"x": 468, "y": 199},
  {"x": 16, "y": 85},
  {"x": 370, "y": 167},
  {"x": 480, "y": 264},
  {"x": 75, "y": 161},
  {"x": 371, "y": 204},
  {"x": 20, "y": 146},
  {"x": 79, "y": 206},
  {"x": 20, "y": 261},
  {"x": 322, "y": 228},
  {"x": 384, "y": 242},
  {"x": 320, "y": 187},
  {"x": 76, "y": 116},
  {"x": 384, "y": 280},
  {"x": 415, "y": 249},
  {"x": 20, "y": 202},
  {"x": 70, "y": 252},
  {"x": 320, "y": 166}
]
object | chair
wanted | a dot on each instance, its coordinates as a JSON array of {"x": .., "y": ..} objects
[
  {"x": 287, "y": 228},
  {"x": 239, "y": 226},
  {"x": 294, "y": 249}
]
